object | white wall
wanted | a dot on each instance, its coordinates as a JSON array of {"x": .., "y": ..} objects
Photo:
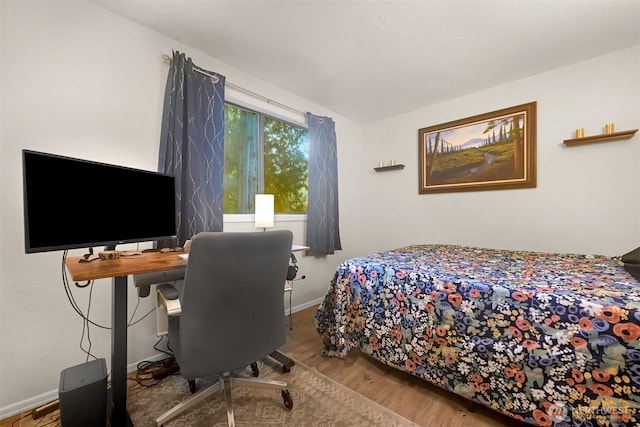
[
  {"x": 78, "y": 80},
  {"x": 587, "y": 199}
]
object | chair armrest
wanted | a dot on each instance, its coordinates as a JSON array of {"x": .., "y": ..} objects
[
  {"x": 167, "y": 304},
  {"x": 168, "y": 291}
]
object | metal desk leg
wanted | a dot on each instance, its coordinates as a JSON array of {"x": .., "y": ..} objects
[{"x": 119, "y": 415}]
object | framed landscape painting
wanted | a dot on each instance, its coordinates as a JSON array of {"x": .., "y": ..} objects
[{"x": 491, "y": 151}]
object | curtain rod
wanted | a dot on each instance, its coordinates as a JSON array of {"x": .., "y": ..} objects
[{"x": 168, "y": 60}]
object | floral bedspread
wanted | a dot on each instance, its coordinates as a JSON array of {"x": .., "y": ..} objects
[{"x": 550, "y": 339}]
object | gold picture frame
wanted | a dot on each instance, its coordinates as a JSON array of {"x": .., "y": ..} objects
[{"x": 490, "y": 151}]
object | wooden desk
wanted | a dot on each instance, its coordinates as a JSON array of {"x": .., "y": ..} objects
[
  {"x": 118, "y": 270},
  {"x": 148, "y": 262}
]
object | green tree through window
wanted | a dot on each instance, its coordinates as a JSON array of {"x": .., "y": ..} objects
[{"x": 264, "y": 155}]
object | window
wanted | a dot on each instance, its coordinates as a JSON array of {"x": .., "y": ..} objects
[{"x": 264, "y": 155}]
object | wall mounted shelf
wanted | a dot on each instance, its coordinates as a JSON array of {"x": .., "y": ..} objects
[
  {"x": 627, "y": 134},
  {"x": 388, "y": 168}
]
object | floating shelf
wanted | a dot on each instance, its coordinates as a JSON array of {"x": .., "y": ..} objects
[
  {"x": 388, "y": 168},
  {"x": 627, "y": 134}
]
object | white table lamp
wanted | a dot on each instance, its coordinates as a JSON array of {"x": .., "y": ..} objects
[{"x": 264, "y": 211}]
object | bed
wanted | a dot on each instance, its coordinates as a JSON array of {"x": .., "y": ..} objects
[{"x": 549, "y": 339}]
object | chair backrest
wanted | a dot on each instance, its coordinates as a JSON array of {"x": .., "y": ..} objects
[{"x": 232, "y": 300}]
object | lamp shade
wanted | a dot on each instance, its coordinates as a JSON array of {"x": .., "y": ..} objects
[{"x": 264, "y": 210}]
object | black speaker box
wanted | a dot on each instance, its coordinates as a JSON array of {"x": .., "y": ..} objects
[{"x": 83, "y": 395}]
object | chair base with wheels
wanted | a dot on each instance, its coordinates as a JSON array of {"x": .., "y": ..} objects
[{"x": 225, "y": 383}]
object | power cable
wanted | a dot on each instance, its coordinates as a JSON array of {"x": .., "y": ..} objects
[
  {"x": 85, "y": 327},
  {"x": 86, "y": 321}
]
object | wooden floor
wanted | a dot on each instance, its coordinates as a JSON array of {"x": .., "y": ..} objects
[{"x": 413, "y": 398}]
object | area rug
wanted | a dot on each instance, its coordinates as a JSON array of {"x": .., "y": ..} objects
[{"x": 317, "y": 401}]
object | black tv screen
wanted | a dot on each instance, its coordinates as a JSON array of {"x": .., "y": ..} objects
[{"x": 73, "y": 203}]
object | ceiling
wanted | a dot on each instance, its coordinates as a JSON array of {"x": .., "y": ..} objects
[{"x": 369, "y": 60}]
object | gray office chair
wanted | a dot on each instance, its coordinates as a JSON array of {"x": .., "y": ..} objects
[{"x": 231, "y": 312}]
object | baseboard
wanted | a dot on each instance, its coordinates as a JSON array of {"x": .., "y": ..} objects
[
  {"x": 44, "y": 398},
  {"x": 28, "y": 404},
  {"x": 307, "y": 304}
]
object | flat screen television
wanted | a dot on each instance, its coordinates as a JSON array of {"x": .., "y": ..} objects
[{"x": 73, "y": 203}]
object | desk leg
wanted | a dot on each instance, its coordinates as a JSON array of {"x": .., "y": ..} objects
[{"x": 119, "y": 414}]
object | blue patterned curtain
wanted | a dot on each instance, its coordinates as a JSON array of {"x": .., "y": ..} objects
[
  {"x": 323, "y": 230},
  {"x": 192, "y": 145}
]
